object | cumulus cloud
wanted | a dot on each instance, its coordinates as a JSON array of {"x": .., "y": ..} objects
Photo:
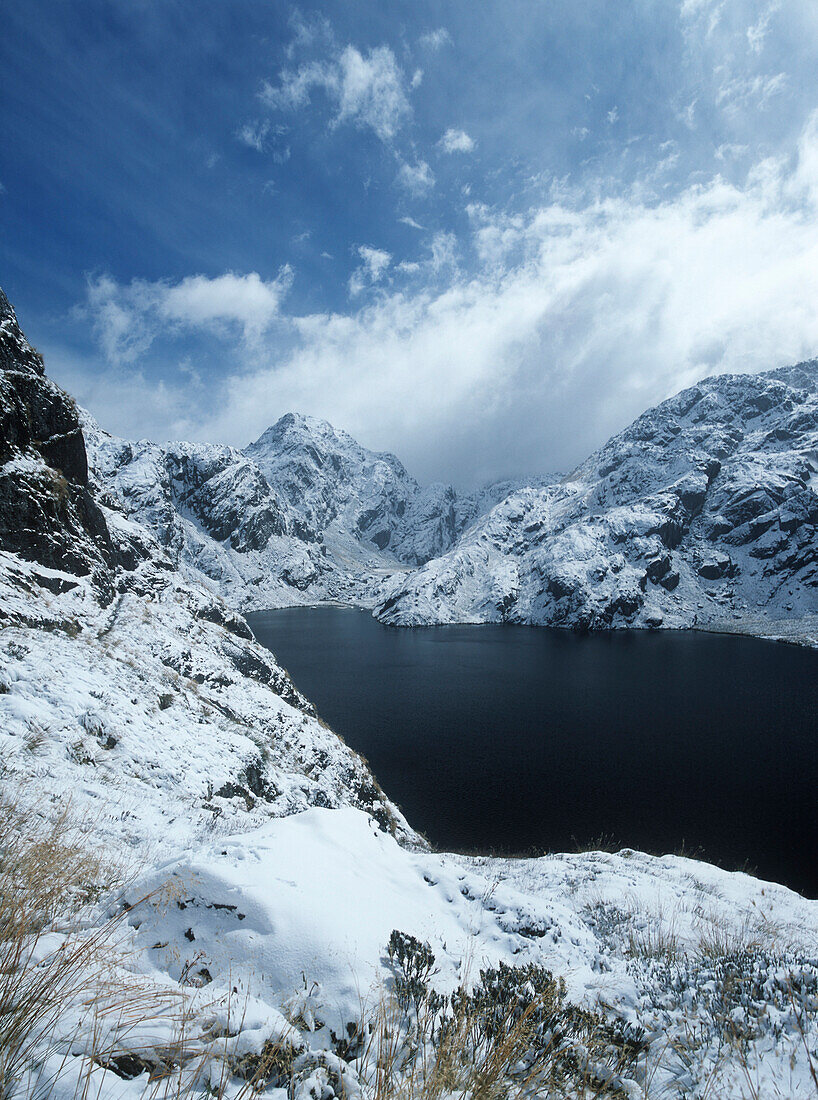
[
  {"x": 128, "y": 318},
  {"x": 456, "y": 141},
  {"x": 416, "y": 178},
  {"x": 374, "y": 266},
  {"x": 581, "y": 315},
  {"x": 569, "y": 320},
  {"x": 367, "y": 90}
]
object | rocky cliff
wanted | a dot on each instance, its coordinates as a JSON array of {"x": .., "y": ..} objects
[{"x": 122, "y": 679}]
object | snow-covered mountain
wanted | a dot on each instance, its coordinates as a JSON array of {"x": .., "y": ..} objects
[
  {"x": 303, "y": 514},
  {"x": 342, "y": 489},
  {"x": 702, "y": 512}
]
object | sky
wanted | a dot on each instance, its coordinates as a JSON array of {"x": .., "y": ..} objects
[{"x": 483, "y": 236}]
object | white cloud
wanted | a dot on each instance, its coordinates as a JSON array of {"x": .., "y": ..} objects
[
  {"x": 416, "y": 178},
  {"x": 406, "y": 220},
  {"x": 295, "y": 86},
  {"x": 127, "y": 319},
  {"x": 738, "y": 93},
  {"x": 308, "y": 31},
  {"x": 581, "y": 316},
  {"x": 374, "y": 266},
  {"x": 704, "y": 15},
  {"x": 436, "y": 40},
  {"x": 253, "y": 134},
  {"x": 365, "y": 89},
  {"x": 444, "y": 249},
  {"x": 417, "y": 79},
  {"x": 575, "y": 316},
  {"x": 731, "y": 151},
  {"x": 456, "y": 141},
  {"x": 372, "y": 91},
  {"x": 613, "y": 115},
  {"x": 757, "y": 32}
]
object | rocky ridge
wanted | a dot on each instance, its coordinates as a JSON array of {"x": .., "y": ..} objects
[
  {"x": 303, "y": 514},
  {"x": 702, "y": 512},
  {"x": 123, "y": 680}
]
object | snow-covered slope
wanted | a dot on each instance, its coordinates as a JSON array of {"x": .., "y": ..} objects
[
  {"x": 702, "y": 512},
  {"x": 222, "y": 524},
  {"x": 121, "y": 681},
  {"x": 342, "y": 489}
]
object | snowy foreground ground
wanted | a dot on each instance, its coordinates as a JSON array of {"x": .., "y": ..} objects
[
  {"x": 266, "y": 874},
  {"x": 279, "y": 936}
]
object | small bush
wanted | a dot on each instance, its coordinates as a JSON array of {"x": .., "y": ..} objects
[{"x": 514, "y": 1033}]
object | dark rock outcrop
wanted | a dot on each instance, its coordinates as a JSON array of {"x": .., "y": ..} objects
[{"x": 47, "y": 512}]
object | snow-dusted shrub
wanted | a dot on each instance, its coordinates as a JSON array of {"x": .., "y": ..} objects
[{"x": 513, "y": 1033}]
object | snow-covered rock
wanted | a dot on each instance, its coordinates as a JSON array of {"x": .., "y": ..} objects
[
  {"x": 700, "y": 513},
  {"x": 340, "y": 487},
  {"x": 122, "y": 681},
  {"x": 299, "y": 913},
  {"x": 303, "y": 514}
]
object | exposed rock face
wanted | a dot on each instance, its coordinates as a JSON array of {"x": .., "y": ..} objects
[
  {"x": 704, "y": 509},
  {"x": 47, "y": 513}
]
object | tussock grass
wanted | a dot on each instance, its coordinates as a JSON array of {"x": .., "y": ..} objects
[{"x": 47, "y": 874}]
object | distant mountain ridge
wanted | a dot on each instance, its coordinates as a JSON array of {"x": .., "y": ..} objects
[
  {"x": 304, "y": 513},
  {"x": 703, "y": 511}
]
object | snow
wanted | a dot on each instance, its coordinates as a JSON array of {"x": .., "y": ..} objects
[
  {"x": 264, "y": 868},
  {"x": 304, "y": 514},
  {"x": 700, "y": 512},
  {"x": 298, "y": 912},
  {"x": 153, "y": 712}
]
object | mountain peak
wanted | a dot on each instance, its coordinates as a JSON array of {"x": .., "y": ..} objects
[{"x": 15, "y": 351}]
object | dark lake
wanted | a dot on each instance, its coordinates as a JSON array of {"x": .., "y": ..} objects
[{"x": 519, "y": 740}]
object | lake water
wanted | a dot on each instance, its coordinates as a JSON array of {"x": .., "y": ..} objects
[{"x": 519, "y": 740}]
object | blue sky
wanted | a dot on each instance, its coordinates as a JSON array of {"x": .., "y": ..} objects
[{"x": 482, "y": 236}]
